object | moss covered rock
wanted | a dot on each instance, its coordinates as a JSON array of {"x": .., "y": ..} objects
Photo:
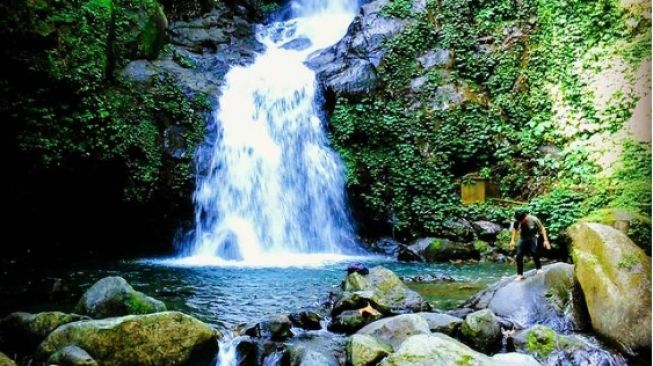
[
  {"x": 168, "y": 338},
  {"x": 396, "y": 329},
  {"x": 628, "y": 221},
  {"x": 541, "y": 341},
  {"x": 22, "y": 332},
  {"x": 71, "y": 356},
  {"x": 439, "y": 349},
  {"x": 6, "y": 361},
  {"x": 350, "y": 321},
  {"x": 481, "y": 329},
  {"x": 615, "y": 276},
  {"x": 113, "y": 296},
  {"x": 442, "y": 323},
  {"x": 435, "y": 250},
  {"x": 393, "y": 292},
  {"x": 365, "y": 350}
]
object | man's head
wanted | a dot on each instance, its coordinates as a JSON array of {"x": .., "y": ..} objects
[{"x": 520, "y": 215}]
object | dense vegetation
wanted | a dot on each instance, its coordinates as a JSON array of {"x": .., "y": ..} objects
[{"x": 511, "y": 101}]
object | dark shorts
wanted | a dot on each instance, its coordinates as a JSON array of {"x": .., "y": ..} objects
[{"x": 527, "y": 246}]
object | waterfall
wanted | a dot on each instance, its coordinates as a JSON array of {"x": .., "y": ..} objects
[{"x": 273, "y": 192}]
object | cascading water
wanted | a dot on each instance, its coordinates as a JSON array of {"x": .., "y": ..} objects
[{"x": 274, "y": 191}]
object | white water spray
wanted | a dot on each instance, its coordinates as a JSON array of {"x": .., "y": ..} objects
[{"x": 274, "y": 191}]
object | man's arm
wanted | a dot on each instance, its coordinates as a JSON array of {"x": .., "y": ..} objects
[
  {"x": 512, "y": 239},
  {"x": 547, "y": 244}
]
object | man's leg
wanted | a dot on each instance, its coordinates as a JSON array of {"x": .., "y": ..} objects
[
  {"x": 536, "y": 256},
  {"x": 520, "y": 258}
]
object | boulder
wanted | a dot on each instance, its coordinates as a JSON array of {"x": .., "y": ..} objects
[
  {"x": 615, "y": 276},
  {"x": 461, "y": 229},
  {"x": 442, "y": 350},
  {"x": 6, "y": 361},
  {"x": 482, "y": 331},
  {"x": 487, "y": 230},
  {"x": 442, "y": 323},
  {"x": 385, "y": 290},
  {"x": 358, "y": 300},
  {"x": 514, "y": 359},
  {"x": 304, "y": 356},
  {"x": 350, "y": 321},
  {"x": 308, "y": 320},
  {"x": 113, "y": 296},
  {"x": 442, "y": 250},
  {"x": 22, "y": 332},
  {"x": 629, "y": 222},
  {"x": 275, "y": 327},
  {"x": 396, "y": 329},
  {"x": 71, "y": 356},
  {"x": 165, "y": 338},
  {"x": 365, "y": 350},
  {"x": 553, "y": 299}
]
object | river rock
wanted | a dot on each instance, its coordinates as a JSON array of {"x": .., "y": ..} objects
[
  {"x": 541, "y": 341},
  {"x": 308, "y": 320},
  {"x": 396, "y": 329},
  {"x": 482, "y": 331},
  {"x": 383, "y": 290},
  {"x": 461, "y": 229},
  {"x": 365, "y": 350},
  {"x": 487, "y": 230},
  {"x": 305, "y": 356},
  {"x": 6, "y": 361},
  {"x": 113, "y": 296},
  {"x": 350, "y": 321},
  {"x": 441, "y": 250},
  {"x": 442, "y": 323},
  {"x": 275, "y": 327},
  {"x": 553, "y": 299},
  {"x": 22, "y": 332},
  {"x": 71, "y": 356},
  {"x": 514, "y": 359},
  {"x": 442, "y": 350},
  {"x": 163, "y": 339},
  {"x": 615, "y": 275}
]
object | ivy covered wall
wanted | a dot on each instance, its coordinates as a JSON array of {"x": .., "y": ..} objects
[{"x": 548, "y": 98}]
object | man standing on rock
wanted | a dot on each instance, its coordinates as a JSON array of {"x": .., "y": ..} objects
[{"x": 529, "y": 227}]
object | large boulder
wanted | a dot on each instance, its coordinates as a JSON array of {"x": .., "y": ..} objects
[
  {"x": 487, "y": 230},
  {"x": 553, "y": 298},
  {"x": 71, "y": 356},
  {"x": 22, "y": 332},
  {"x": 349, "y": 67},
  {"x": 442, "y": 323},
  {"x": 395, "y": 330},
  {"x": 383, "y": 290},
  {"x": 439, "y": 349},
  {"x": 275, "y": 327},
  {"x": 482, "y": 331},
  {"x": 113, "y": 296},
  {"x": 365, "y": 350},
  {"x": 167, "y": 338},
  {"x": 615, "y": 275},
  {"x": 6, "y": 361},
  {"x": 435, "y": 250},
  {"x": 350, "y": 321}
]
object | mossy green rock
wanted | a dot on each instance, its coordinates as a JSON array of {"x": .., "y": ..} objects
[
  {"x": 482, "y": 331},
  {"x": 365, "y": 350},
  {"x": 71, "y": 356},
  {"x": 168, "y": 338},
  {"x": 22, "y": 332},
  {"x": 440, "y": 350},
  {"x": 350, "y": 321},
  {"x": 396, "y": 329},
  {"x": 615, "y": 276},
  {"x": 541, "y": 341},
  {"x": 435, "y": 250},
  {"x": 442, "y": 323},
  {"x": 6, "y": 361},
  {"x": 630, "y": 222},
  {"x": 113, "y": 296}
]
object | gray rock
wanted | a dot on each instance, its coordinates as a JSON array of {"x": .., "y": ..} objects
[
  {"x": 365, "y": 350},
  {"x": 301, "y": 356},
  {"x": 396, "y": 329},
  {"x": 308, "y": 320},
  {"x": 417, "y": 83},
  {"x": 514, "y": 359},
  {"x": 442, "y": 323},
  {"x": 298, "y": 44},
  {"x": 22, "y": 332},
  {"x": 553, "y": 299},
  {"x": 275, "y": 327},
  {"x": 113, "y": 296},
  {"x": 71, "y": 356},
  {"x": 433, "y": 58},
  {"x": 349, "y": 321},
  {"x": 482, "y": 331},
  {"x": 487, "y": 230},
  {"x": 434, "y": 250}
]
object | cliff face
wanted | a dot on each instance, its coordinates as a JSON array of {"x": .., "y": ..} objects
[
  {"x": 106, "y": 102},
  {"x": 550, "y": 99}
]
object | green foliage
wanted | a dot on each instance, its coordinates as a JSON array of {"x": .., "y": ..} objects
[
  {"x": 541, "y": 341},
  {"x": 489, "y": 110},
  {"x": 398, "y": 8}
]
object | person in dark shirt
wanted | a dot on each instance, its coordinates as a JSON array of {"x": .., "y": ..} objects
[{"x": 528, "y": 227}]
